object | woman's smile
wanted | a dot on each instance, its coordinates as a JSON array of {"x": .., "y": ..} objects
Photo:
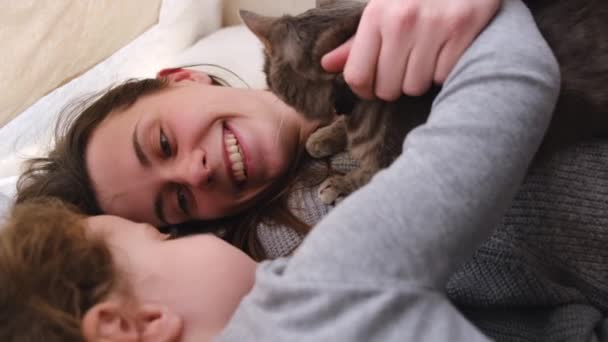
[
  {"x": 235, "y": 156},
  {"x": 211, "y": 152}
]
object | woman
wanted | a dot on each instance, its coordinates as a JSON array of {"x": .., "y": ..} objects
[
  {"x": 126, "y": 153},
  {"x": 410, "y": 228}
]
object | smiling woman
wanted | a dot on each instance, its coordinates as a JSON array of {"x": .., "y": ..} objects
[
  {"x": 187, "y": 151},
  {"x": 176, "y": 149},
  {"x": 182, "y": 154}
]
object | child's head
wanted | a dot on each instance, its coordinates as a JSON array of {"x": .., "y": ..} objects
[
  {"x": 67, "y": 277},
  {"x": 50, "y": 273}
]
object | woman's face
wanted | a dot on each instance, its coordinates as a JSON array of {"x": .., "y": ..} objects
[
  {"x": 198, "y": 281},
  {"x": 194, "y": 151}
]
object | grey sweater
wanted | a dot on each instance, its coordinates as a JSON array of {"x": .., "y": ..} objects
[{"x": 377, "y": 266}]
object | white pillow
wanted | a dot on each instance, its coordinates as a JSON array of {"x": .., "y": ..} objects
[
  {"x": 181, "y": 23},
  {"x": 233, "y": 53}
]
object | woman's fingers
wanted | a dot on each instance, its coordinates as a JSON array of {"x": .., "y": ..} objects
[
  {"x": 335, "y": 60},
  {"x": 396, "y": 47},
  {"x": 420, "y": 71},
  {"x": 447, "y": 58},
  {"x": 360, "y": 68},
  {"x": 403, "y": 46},
  {"x": 463, "y": 27}
]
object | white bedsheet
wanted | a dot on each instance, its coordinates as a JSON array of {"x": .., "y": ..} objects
[{"x": 181, "y": 23}]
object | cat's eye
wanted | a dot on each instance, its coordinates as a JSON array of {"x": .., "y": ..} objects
[{"x": 164, "y": 144}]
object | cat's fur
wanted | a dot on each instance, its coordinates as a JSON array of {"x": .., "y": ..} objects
[{"x": 576, "y": 30}]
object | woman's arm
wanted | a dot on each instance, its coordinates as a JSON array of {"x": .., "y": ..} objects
[
  {"x": 375, "y": 268},
  {"x": 458, "y": 172}
]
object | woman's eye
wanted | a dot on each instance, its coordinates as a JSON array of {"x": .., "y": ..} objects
[
  {"x": 182, "y": 200},
  {"x": 165, "y": 147}
]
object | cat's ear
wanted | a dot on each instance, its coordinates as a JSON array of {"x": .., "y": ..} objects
[{"x": 258, "y": 24}]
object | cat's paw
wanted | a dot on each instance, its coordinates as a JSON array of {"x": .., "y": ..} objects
[
  {"x": 317, "y": 148},
  {"x": 330, "y": 191}
]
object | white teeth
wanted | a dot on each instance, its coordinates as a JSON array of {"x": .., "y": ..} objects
[
  {"x": 240, "y": 176},
  {"x": 236, "y": 157}
]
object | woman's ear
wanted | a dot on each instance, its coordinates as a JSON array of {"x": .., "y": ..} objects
[
  {"x": 111, "y": 321},
  {"x": 176, "y": 75}
]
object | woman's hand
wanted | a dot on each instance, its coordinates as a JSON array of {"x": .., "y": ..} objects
[{"x": 403, "y": 46}]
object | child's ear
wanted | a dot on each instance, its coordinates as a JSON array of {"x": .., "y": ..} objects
[
  {"x": 108, "y": 321},
  {"x": 111, "y": 321},
  {"x": 176, "y": 75},
  {"x": 260, "y": 25},
  {"x": 158, "y": 323}
]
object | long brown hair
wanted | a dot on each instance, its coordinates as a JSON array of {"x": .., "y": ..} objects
[
  {"x": 51, "y": 273},
  {"x": 63, "y": 172}
]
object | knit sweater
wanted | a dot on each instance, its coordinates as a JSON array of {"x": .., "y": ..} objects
[{"x": 543, "y": 275}]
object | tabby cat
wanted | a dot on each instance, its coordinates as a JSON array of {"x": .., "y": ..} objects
[{"x": 576, "y": 30}]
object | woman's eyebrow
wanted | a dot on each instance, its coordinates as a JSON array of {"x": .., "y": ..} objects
[
  {"x": 145, "y": 162},
  {"x": 139, "y": 152}
]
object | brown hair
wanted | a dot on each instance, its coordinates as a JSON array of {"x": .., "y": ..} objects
[
  {"x": 63, "y": 172},
  {"x": 51, "y": 273}
]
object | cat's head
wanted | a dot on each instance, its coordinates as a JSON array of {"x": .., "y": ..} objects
[{"x": 293, "y": 47}]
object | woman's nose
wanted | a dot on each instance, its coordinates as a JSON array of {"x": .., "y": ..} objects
[{"x": 194, "y": 170}]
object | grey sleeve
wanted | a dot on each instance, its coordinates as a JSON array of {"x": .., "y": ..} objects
[
  {"x": 375, "y": 267},
  {"x": 458, "y": 172}
]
